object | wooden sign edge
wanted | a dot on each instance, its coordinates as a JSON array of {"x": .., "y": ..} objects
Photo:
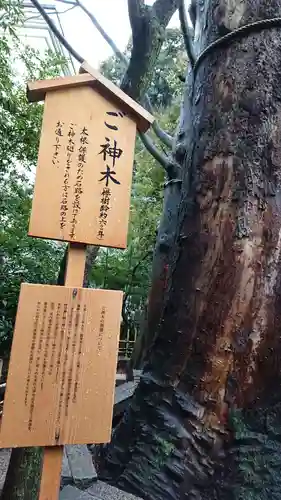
[
  {"x": 108, "y": 432},
  {"x": 37, "y": 90}
]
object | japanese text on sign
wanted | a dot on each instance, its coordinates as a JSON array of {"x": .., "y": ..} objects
[
  {"x": 78, "y": 191},
  {"x": 57, "y": 145},
  {"x": 111, "y": 152}
]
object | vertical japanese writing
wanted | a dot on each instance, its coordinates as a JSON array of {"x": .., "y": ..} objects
[
  {"x": 47, "y": 342},
  {"x": 110, "y": 153},
  {"x": 104, "y": 207},
  {"x": 82, "y": 158},
  {"x": 62, "y": 332},
  {"x": 101, "y": 330},
  {"x": 57, "y": 145},
  {"x": 64, "y": 368},
  {"x": 59, "y": 363},
  {"x": 31, "y": 351},
  {"x": 37, "y": 366},
  {"x": 64, "y": 363},
  {"x": 55, "y": 337},
  {"x": 80, "y": 348},
  {"x": 65, "y": 192},
  {"x": 72, "y": 357}
]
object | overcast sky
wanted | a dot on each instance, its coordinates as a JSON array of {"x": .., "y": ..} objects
[{"x": 112, "y": 15}]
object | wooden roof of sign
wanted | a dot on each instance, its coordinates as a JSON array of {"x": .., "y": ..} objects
[{"x": 88, "y": 76}]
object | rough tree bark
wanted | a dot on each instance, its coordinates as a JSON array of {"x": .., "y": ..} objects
[{"x": 205, "y": 422}]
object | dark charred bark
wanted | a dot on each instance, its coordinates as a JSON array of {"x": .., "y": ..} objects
[
  {"x": 160, "y": 270},
  {"x": 165, "y": 237},
  {"x": 205, "y": 422}
]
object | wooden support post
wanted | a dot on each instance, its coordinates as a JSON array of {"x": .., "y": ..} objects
[{"x": 52, "y": 455}]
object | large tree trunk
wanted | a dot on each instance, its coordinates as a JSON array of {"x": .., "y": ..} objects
[{"x": 205, "y": 422}]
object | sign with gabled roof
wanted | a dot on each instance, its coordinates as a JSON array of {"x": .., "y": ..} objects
[
  {"x": 37, "y": 90},
  {"x": 84, "y": 172}
]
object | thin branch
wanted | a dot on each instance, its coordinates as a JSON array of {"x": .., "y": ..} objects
[
  {"x": 67, "y": 10},
  {"x": 55, "y": 13},
  {"x": 56, "y": 32},
  {"x": 151, "y": 148},
  {"x": 187, "y": 37},
  {"x": 147, "y": 141},
  {"x": 68, "y": 2},
  {"x": 102, "y": 32},
  {"x": 160, "y": 133}
]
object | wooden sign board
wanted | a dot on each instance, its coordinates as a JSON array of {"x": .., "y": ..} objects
[
  {"x": 83, "y": 179},
  {"x": 60, "y": 387}
]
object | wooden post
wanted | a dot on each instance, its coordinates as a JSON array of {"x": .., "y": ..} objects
[{"x": 52, "y": 455}]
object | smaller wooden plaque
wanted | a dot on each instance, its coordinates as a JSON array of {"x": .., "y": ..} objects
[{"x": 61, "y": 380}]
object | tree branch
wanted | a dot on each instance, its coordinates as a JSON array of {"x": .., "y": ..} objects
[
  {"x": 164, "y": 9},
  {"x": 136, "y": 9},
  {"x": 147, "y": 141},
  {"x": 68, "y": 2},
  {"x": 156, "y": 153},
  {"x": 56, "y": 32},
  {"x": 102, "y": 32},
  {"x": 186, "y": 33},
  {"x": 72, "y": 6},
  {"x": 160, "y": 133}
]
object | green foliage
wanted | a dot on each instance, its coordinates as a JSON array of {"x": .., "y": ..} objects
[
  {"x": 129, "y": 270},
  {"x": 166, "y": 85},
  {"x": 21, "y": 258},
  {"x": 35, "y": 260},
  {"x": 20, "y": 122}
]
